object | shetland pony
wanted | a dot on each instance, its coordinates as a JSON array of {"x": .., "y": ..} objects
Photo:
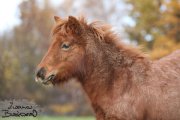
[{"x": 120, "y": 81}]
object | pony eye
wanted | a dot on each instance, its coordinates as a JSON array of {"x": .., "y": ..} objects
[{"x": 65, "y": 46}]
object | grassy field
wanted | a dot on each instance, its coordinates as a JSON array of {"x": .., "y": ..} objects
[{"x": 48, "y": 118}]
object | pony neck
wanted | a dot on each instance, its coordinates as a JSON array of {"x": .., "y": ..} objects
[{"x": 110, "y": 64}]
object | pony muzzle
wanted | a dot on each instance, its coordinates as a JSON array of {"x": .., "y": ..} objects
[{"x": 43, "y": 77}]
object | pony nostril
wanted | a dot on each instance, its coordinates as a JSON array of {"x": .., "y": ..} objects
[
  {"x": 41, "y": 73},
  {"x": 51, "y": 77}
]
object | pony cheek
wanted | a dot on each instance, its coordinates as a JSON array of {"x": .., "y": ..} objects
[
  {"x": 66, "y": 69},
  {"x": 62, "y": 71}
]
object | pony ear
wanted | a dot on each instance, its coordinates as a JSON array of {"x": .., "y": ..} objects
[
  {"x": 74, "y": 25},
  {"x": 57, "y": 19}
]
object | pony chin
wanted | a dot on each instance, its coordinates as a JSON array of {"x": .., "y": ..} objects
[{"x": 61, "y": 81}]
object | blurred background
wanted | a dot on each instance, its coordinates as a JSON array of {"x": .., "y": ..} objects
[{"x": 25, "y": 27}]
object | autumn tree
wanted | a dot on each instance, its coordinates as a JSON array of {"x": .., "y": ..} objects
[
  {"x": 169, "y": 26},
  {"x": 22, "y": 48},
  {"x": 157, "y": 25}
]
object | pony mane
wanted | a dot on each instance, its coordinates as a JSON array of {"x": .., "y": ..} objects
[
  {"x": 99, "y": 28},
  {"x": 103, "y": 32}
]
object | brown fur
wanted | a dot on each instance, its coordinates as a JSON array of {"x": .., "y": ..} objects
[{"x": 121, "y": 82}]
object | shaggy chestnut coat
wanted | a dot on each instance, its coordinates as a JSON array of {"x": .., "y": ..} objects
[
  {"x": 138, "y": 89},
  {"x": 121, "y": 82}
]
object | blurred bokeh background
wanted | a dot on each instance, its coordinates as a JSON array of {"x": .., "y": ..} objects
[{"x": 25, "y": 27}]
